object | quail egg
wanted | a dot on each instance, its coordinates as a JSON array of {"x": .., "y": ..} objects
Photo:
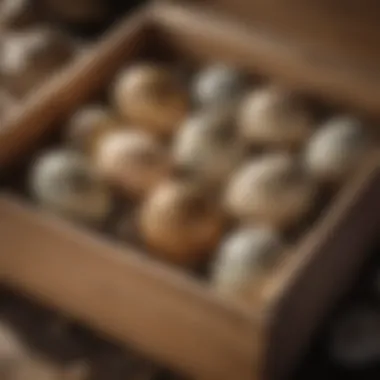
[
  {"x": 64, "y": 182},
  {"x": 132, "y": 160},
  {"x": 275, "y": 118},
  {"x": 86, "y": 127},
  {"x": 244, "y": 256},
  {"x": 181, "y": 222},
  {"x": 336, "y": 149},
  {"x": 151, "y": 97},
  {"x": 272, "y": 189},
  {"x": 217, "y": 84},
  {"x": 207, "y": 145}
]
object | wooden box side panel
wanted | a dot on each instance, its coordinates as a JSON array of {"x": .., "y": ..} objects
[
  {"x": 324, "y": 267},
  {"x": 344, "y": 31},
  {"x": 125, "y": 295},
  {"x": 290, "y": 64}
]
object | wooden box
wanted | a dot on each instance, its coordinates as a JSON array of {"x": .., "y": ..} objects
[{"x": 167, "y": 314}]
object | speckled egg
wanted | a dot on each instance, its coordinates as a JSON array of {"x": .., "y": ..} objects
[
  {"x": 355, "y": 339},
  {"x": 336, "y": 149},
  {"x": 28, "y": 58},
  {"x": 217, "y": 84},
  {"x": 132, "y": 160},
  {"x": 85, "y": 128},
  {"x": 181, "y": 222},
  {"x": 207, "y": 145},
  {"x": 272, "y": 189},
  {"x": 244, "y": 256},
  {"x": 152, "y": 97},
  {"x": 63, "y": 181},
  {"x": 274, "y": 117}
]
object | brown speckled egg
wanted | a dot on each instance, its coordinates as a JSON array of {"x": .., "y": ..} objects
[
  {"x": 273, "y": 117},
  {"x": 65, "y": 182},
  {"x": 243, "y": 257},
  {"x": 88, "y": 125},
  {"x": 272, "y": 189},
  {"x": 207, "y": 145},
  {"x": 217, "y": 84},
  {"x": 152, "y": 97},
  {"x": 28, "y": 58},
  {"x": 336, "y": 149},
  {"x": 16, "y": 14},
  {"x": 132, "y": 160},
  {"x": 181, "y": 222}
]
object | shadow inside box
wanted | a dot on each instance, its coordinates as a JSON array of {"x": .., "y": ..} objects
[{"x": 318, "y": 362}]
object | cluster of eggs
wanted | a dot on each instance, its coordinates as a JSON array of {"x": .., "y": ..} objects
[
  {"x": 197, "y": 159},
  {"x": 32, "y": 47}
]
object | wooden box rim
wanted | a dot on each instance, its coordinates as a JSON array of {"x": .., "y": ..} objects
[{"x": 245, "y": 338}]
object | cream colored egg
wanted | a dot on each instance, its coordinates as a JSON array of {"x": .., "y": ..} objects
[
  {"x": 336, "y": 149},
  {"x": 217, "y": 84},
  {"x": 207, "y": 145},
  {"x": 273, "y": 117},
  {"x": 245, "y": 256},
  {"x": 181, "y": 223},
  {"x": 152, "y": 97},
  {"x": 272, "y": 189},
  {"x": 29, "y": 58},
  {"x": 132, "y": 160},
  {"x": 355, "y": 339},
  {"x": 65, "y": 182},
  {"x": 87, "y": 126}
]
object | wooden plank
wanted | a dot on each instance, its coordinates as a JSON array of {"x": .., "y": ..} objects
[{"x": 157, "y": 310}]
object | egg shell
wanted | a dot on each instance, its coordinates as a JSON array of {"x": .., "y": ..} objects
[
  {"x": 85, "y": 128},
  {"x": 336, "y": 149},
  {"x": 181, "y": 222},
  {"x": 133, "y": 160},
  {"x": 152, "y": 97},
  {"x": 207, "y": 145},
  {"x": 273, "y": 117},
  {"x": 355, "y": 338},
  {"x": 271, "y": 189},
  {"x": 217, "y": 84},
  {"x": 29, "y": 58},
  {"x": 245, "y": 256},
  {"x": 64, "y": 181}
]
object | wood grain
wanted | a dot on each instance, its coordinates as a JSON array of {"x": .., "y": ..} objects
[
  {"x": 133, "y": 299},
  {"x": 166, "y": 314}
]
